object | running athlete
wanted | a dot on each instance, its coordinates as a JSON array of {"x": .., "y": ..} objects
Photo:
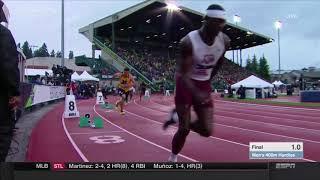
[
  {"x": 201, "y": 55},
  {"x": 125, "y": 83}
]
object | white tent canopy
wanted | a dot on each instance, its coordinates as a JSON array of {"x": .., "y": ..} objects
[
  {"x": 85, "y": 76},
  {"x": 252, "y": 82},
  {"x": 75, "y": 77},
  {"x": 277, "y": 83},
  {"x": 35, "y": 72}
]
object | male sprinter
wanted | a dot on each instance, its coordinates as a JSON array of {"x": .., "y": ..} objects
[
  {"x": 125, "y": 83},
  {"x": 201, "y": 55}
]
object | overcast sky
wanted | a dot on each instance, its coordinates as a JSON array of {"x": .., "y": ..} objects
[{"x": 40, "y": 21}]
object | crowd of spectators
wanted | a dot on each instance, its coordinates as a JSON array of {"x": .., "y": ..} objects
[
  {"x": 83, "y": 90},
  {"x": 154, "y": 67},
  {"x": 61, "y": 75},
  {"x": 229, "y": 74},
  {"x": 158, "y": 68}
]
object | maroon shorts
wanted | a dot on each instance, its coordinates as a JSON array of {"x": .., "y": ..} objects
[{"x": 183, "y": 96}]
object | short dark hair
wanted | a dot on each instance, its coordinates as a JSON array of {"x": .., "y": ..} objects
[{"x": 126, "y": 69}]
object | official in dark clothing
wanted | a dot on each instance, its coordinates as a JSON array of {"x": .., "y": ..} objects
[{"x": 9, "y": 98}]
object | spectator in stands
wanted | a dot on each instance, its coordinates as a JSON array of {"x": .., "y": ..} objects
[{"x": 9, "y": 78}]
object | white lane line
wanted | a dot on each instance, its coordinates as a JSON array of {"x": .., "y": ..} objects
[
  {"x": 264, "y": 116},
  {"x": 252, "y": 121},
  {"x": 230, "y": 127},
  {"x": 269, "y": 106},
  {"x": 83, "y": 157},
  {"x": 234, "y": 127},
  {"x": 141, "y": 138}
]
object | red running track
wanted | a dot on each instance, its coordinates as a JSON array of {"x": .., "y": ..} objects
[{"x": 138, "y": 135}]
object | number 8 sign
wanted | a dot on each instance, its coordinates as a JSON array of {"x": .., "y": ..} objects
[{"x": 70, "y": 107}]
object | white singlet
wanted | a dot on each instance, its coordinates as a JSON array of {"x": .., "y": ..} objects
[{"x": 205, "y": 57}]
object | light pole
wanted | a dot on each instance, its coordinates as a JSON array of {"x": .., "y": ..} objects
[
  {"x": 278, "y": 25},
  {"x": 32, "y": 49},
  {"x": 62, "y": 33},
  {"x": 236, "y": 20}
]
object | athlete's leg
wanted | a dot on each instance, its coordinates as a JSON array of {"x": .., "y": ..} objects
[
  {"x": 179, "y": 138},
  {"x": 173, "y": 118},
  {"x": 126, "y": 96},
  {"x": 122, "y": 102},
  {"x": 203, "y": 125}
]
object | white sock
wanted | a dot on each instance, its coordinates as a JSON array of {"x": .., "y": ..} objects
[{"x": 173, "y": 158}]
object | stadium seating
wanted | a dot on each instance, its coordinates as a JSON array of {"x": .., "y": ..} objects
[{"x": 157, "y": 65}]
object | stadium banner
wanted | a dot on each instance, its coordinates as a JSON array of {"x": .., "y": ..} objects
[{"x": 40, "y": 94}]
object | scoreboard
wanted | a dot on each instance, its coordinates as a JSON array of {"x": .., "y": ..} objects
[{"x": 276, "y": 150}]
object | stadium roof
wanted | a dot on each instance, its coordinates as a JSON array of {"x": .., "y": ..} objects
[{"x": 150, "y": 22}]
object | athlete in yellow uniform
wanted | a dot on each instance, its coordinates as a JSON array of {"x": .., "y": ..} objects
[{"x": 125, "y": 84}]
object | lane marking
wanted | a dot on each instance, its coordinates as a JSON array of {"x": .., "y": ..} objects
[
  {"x": 141, "y": 138},
  {"x": 252, "y": 121},
  {"x": 105, "y": 132},
  {"x": 270, "y": 106},
  {"x": 83, "y": 157},
  {"x": 234, "y": 128}
]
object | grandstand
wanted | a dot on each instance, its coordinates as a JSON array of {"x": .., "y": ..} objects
[{"x": 145, "y": 38}]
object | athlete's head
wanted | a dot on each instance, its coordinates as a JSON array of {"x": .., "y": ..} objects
[
  {"x": 215, "y": 19},
  {"x": 126, "y": 71}
]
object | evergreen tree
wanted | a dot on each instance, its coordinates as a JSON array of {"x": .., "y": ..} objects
[
  {"x": 59, "y": 54},
  {"x": 264, "y": 70},
  {"x": 43, "y": 51},
  {"x": 27, "y": 50},
  {"x": 255, "y": 65},
  {"x": 249, "y": 64},
  {"x": 37, "y": 53},
  {"x": 52, "y": 54}
]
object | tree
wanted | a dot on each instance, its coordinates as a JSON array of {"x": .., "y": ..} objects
[
  {"x": 255, "y": 66},
  {"x": 37, "y": 53},
  {"x": 249, "y": 64},
  {"x": 18, "y": 45},
  {"x": 264, "y": 70},
  {"x": 59, "y": 54},
  {"x": 27, "y": 50},
  {"x": 43, "y": 51},
  {"x": 52, "y": 54},
  {"x": 70, "y": 54}
]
